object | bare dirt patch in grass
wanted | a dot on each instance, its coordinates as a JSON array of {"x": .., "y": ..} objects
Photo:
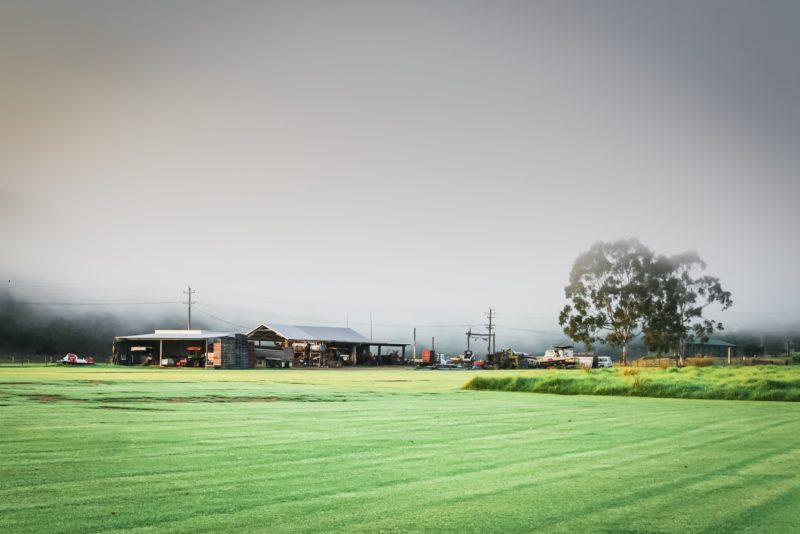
[
  {"x": 50, "y": 398},
  {"x": 135, "y": 408},
  {"x": 393, "y": 381},
  {"x": 211, "y": 398}
]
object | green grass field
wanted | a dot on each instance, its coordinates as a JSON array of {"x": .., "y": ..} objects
[{"x": 393, "y": 450}]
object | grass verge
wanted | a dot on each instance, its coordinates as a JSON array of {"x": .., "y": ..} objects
[{"x": 770, "y": 383}]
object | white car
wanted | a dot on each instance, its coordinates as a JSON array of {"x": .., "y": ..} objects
[{"x": 604, "y": 361}]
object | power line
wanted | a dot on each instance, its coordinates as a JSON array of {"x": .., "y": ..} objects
[
  {"x": 532, "y": 331},
  {"x": 94, "y": 303},
  {"x": 317, "y": 319},
  {"x": 16, "y": 284},
  {"x": 221, "y": 319}
]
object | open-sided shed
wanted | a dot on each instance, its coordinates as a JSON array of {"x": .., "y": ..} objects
[
  {"x": 195, "y": 347},
  {"x": 318, "y": 345},
  {"x": 711, "y": 347}
]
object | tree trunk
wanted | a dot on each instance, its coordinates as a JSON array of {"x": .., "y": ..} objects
[{"x": 624, "y": 354}]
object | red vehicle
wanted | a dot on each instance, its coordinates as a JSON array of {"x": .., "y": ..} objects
[{"x": 73, "y": 359}]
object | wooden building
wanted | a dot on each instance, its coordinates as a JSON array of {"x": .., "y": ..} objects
[{"x": 713, "y": 347}]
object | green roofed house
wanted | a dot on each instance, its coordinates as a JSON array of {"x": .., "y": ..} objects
[{"x": 712, "y": 347}]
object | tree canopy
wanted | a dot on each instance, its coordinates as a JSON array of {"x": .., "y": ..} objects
[
  {"x": 619, "y": 290},
  {"x": 680, "y": 294},
  {"x": 607, "y": 291}
]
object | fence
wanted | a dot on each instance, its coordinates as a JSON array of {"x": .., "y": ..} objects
[{"x": 663, "y": 363}]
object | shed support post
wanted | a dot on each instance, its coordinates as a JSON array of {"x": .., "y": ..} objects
[{"x": 160, "y": 352}]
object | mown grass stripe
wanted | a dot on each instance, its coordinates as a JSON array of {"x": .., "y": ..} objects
[{"x": 397, "y": 460}]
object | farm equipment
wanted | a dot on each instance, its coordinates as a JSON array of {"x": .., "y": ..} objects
[
  {"x": 563, "y": 357},
  {"x": 74, "y": 359},
  {"x": 464, "y": 360},
  {"x": 505, "y": 359},
  {"x": 429, "y": 357}
]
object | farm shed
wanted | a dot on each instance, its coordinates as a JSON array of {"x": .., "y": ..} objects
[
  {"x": 186, "y": 347},
  {"x": 280, "y": 345},
  {"x": 714, "y": 347}
]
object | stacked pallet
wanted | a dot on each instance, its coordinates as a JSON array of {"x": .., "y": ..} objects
[{"x": 235, "y": 353}]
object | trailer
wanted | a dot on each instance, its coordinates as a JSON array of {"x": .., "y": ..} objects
[
  {"x": 274, "y": 357},
  {"x": 563, "y": 357}
]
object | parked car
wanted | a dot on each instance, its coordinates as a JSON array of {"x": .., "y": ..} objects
[{"x": 604, "y": 361}]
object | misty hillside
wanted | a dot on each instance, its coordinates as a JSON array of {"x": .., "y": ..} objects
[{"x": 36, "y": 332}]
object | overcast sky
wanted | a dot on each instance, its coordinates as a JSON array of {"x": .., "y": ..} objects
[{"x": 318, "y": 162}]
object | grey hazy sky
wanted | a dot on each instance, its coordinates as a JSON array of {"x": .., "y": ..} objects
[{"x": 420, "y": 161}]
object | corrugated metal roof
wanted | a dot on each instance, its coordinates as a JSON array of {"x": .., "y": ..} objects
[
  {"x": 314, "y": 333},
  {"x": 711, "y": 341},
  {"x": 289, "y": 331},
  {"x": 328, "y": 333},
  {"x": 178, "y": 335}
]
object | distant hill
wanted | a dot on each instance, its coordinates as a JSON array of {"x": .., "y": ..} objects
[{"x": 35, "y": 333}]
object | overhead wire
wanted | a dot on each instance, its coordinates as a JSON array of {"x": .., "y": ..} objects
[
  {"x": 253, "y": 311},
  {"x": 196, "y": 308},
  {"x": 28, "y": 303}
]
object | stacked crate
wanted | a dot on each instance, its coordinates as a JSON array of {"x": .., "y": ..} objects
[
  {"x": 235, "y": 354},
  {"x": 251, "y": 355}
]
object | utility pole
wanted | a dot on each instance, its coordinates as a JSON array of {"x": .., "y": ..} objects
[
  {"x": 189, "y": 302},
  {"x": 415, "y": 343},
  {"x": 433, "y": 343},
  {"x": 489, "y": 336},
  {"x": 489, "y": 326}
]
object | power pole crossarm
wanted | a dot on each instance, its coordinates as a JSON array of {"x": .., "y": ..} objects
[
  {"x": 190, "y": 292},
  {"x": 490, "y": 327}
]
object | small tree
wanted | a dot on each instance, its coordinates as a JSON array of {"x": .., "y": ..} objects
[
  {"x": 608, "y": 294},
  {"x": 680, "y": 294}
]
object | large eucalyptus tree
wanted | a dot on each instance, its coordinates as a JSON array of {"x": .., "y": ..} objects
[
  {"x": 680, "y": 293},
  {"x": 619, "y": 290},
  {"x": 608, "y": 293}
]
